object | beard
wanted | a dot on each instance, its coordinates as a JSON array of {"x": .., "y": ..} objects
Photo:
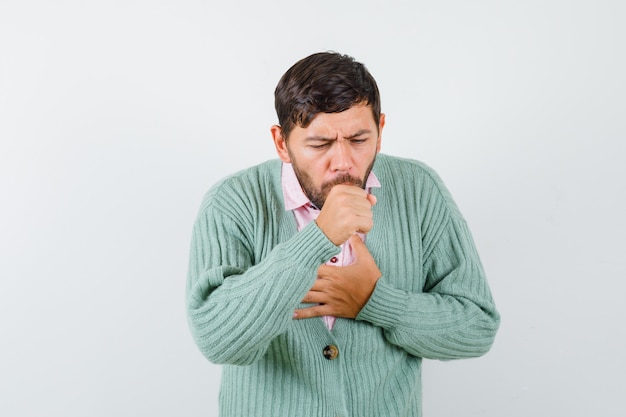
[{"x": 318, "y": 195}]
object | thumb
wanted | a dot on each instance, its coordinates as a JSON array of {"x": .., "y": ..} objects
[
  {"x": 361, "y": 252},
  {"x": 372, "y": 199},
  {"x": 357, "y": 244}
]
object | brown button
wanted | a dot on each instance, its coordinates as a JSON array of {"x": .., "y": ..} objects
[
  {"x": 334, "y": 259},
  {"x": 331, "y": 352}
]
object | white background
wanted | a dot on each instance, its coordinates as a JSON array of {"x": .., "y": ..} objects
[{"x": 117, "y": 116}]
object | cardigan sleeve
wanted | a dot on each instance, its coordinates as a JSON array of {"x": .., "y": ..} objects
[
  {"x": 453, "y": 315},
  {"x": 235, "y": 307}
]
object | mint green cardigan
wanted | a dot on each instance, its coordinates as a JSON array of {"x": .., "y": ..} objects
[{"x": 250, "y": 268}]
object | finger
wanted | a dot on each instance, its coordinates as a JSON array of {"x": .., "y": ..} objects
[
  {"x": 363, "y": 205},
  {"x": 324, "y": 271},
  {"x": 358, "y": 246},
  {"x": 319, "y": 285},
  {"x": 326, "y": 274},
  {"x": 356, "y": 242},
  {"x": 314, "y": 297},
  {"x": 308, "y": 312},
  {"x": 348, "y": 189},
  {"x": 365, "y": 224}
]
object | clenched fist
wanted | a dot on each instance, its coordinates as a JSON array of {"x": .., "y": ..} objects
[{"x": 347, "y": 210}]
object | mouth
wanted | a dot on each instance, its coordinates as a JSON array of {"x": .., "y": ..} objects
[{"x": 344, "y": 179}]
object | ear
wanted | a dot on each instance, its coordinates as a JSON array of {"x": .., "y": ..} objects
[
  {"x": 280, "y": 143},
  {"x": 381, "y": 124}
]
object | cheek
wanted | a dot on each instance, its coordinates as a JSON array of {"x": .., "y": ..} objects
[
  {"x": 314, "y": 161},
  {"x": 365, "y": 157},
  {"x": 317, "y": 172}
]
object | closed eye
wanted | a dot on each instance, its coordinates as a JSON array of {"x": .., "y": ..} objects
[{"x": 320, "y": 146}]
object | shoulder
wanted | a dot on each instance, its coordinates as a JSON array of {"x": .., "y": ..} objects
[
  {"x": 406, "y": 172},
  {"x": 412, "y": 177},
  {"x": 246, "y": 188},
  {"x": 394, "y": 165}
]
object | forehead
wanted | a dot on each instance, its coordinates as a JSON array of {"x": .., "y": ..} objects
[{"x": 346, "y": 122}]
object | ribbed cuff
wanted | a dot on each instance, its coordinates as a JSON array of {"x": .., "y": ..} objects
[
  {"x": 311, "y": 247},
  {"x": 385, "y": 306}
]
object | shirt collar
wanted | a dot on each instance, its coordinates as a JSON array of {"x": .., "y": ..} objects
[{"x": 292, "y": 191}]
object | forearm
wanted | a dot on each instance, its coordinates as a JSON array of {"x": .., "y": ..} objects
[
  {"x": 433, "y": 325},
  {"x": 453, "y": 316},
  {"x": 235, "y": 311}
]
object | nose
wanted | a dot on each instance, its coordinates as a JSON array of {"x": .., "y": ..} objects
[{"x": 341, "y": 158}]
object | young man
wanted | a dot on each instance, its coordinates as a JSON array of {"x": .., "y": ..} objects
[{"x": 322, "y": 279}]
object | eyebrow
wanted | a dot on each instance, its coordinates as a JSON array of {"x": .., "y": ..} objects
[
  {"x": 327, "y": 139},
  {"x": 359, "y": 133}
]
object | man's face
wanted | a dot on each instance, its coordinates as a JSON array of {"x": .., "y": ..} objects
[{"x": 336, "y": 148}]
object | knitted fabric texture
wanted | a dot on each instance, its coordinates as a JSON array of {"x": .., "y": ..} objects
[{"x": 250, "y": 268}]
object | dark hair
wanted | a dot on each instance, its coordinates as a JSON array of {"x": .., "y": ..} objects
[{"x": 325, "y": 82}]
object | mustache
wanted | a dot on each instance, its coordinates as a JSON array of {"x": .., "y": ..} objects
[{"x": 342, "y": 179}]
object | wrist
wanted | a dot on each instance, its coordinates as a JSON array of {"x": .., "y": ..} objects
[{"x": 330, "y": 237}]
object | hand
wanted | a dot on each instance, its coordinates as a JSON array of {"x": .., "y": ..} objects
[
  {"x": 347, "y": 210},
  {"x": 342, "y": 291}
]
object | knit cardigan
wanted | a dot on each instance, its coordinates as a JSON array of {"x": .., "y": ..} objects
[{"x": 250, "y": 268}]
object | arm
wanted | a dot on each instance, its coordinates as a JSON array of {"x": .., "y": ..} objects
[
  {"x": 449, "y": 312},
  {"x": 454, "y": 317},
  {"x": 236, "y": 308}
]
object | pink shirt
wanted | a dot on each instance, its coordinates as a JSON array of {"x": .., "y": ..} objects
[{"x": 305, "y": 212}]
